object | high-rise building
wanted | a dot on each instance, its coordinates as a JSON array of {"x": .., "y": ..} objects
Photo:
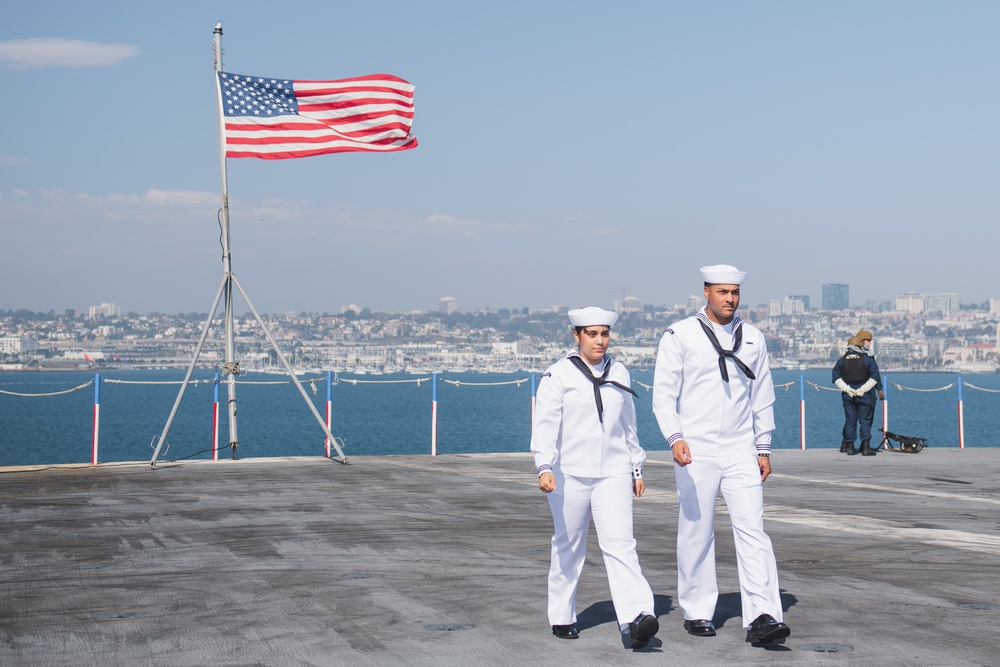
[
  {"x": 786, "y": 306},
  {"x": 878, "y": 306},
  {"x": 447, "y": 305},
  {"x": 910, "y": 302},
  {"x": 804, "y": 298},
  {"x": 941, "y": 303},
  {"x": 630, "y": 304},
  {"x": 105, "y": 310},
  {"x": 836, "y": 296}
]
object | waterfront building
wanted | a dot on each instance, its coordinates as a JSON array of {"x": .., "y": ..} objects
[{"x": 17, "y": 346}]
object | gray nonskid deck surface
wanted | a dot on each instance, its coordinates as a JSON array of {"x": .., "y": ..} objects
[{"x": 410, "y": 560}]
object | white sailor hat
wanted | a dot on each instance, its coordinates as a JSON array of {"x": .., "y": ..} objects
[
  {"x": 592, "y": 316},
  {"x": 723, "y": 274}
]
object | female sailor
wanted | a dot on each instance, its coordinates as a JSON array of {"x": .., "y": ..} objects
[{"x": 589, "y": 464}]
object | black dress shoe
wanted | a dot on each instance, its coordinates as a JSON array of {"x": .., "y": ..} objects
[
  {"x": 641, "y": 630},
  {"x": 700, "y": 627},
  {"x": 765, "y": 629},
  {"x": 566, "y": 631}
]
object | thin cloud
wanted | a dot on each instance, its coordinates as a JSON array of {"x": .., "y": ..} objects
[
  {"x": 57, "y": 207},
  {"x": 451, "y": 225},
  {"x": 168, "y": 198},
  {"x": 12, "y": 160},
  {"x": 40, "y": 52},
  {"x": 601, "y": 232}
]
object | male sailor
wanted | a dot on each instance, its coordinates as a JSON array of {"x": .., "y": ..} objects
[
  {"x": 713, "y": 397},
  {"x": 589, "y": 464}
]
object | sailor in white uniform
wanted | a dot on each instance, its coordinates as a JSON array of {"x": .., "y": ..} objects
[
  {"x": 713, "y": 397},
  {"x": 589, "y": 464}
]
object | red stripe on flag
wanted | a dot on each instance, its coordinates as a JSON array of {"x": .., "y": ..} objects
[{"x": 284, "y": 155}]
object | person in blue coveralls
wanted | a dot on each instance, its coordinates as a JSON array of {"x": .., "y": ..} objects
[
  {"x": 856, "y": 375},
  {"x": 589, "y": 462}
]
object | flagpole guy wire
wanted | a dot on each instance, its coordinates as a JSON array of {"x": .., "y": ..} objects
[{"x": 231, "y": 368}]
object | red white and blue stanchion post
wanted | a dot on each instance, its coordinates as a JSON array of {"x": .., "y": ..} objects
[
  {"x": 97, "y": 418},
  {"x": 885, "y": 405},
  {"x": 434, "y": 414},
  {"x": 534, "y": 391},
  {"x": 961, "y": 417},
  {"x": 329, "y": 409},
  {"x": 215, "y": 419},
  {"x": 802, "y": 412}
]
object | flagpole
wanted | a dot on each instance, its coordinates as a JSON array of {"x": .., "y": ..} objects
[{"x": 231, "y": 368}]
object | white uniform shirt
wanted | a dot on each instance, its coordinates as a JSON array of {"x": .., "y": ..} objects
[
  {"x": 567, "y": 433},
  {"x": 690, "y": 399}
]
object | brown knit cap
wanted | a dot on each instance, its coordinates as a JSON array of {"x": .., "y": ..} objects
[
  {"x": 854, "y": 340},
  {"x": 864, "y": 334}
]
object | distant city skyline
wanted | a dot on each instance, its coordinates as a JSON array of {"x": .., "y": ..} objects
[
  {"x": 903, "y": 302},
  {"x": 933, "y": 335},
  {"x": 568, "y": 152}
]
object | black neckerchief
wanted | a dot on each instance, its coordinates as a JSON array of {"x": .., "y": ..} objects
[
  {"x": 737, "y": 341},
  {"x": 598, "y": 381}
]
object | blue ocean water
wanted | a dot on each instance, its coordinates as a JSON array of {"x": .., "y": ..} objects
[{"x": 385, "y": 419}]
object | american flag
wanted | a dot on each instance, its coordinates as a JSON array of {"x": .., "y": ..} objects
[{"x": 275, "y": 119}]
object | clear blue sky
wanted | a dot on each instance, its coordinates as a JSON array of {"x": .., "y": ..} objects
[{"x": 568, "y": 150}]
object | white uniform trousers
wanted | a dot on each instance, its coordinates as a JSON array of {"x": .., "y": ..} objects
[
  {"x": 732, "y": 468},
  {"x": 609, "y": 501}
]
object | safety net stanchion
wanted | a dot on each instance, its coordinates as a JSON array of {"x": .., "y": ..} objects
[
  {"x": 802, "y": 412},
  {"x": 434, "y": 414},
  {"x": 329, "y": 410},
  {"x": 97, "y": 419},
  {"x": 885, "y": 405},
  {"x": 961, "y": 417},
  {"x": 215, "y": 418},
  {"x": 534, "y": 393}
]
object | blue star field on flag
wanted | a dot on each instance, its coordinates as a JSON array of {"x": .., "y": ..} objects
[{"x": 257, "y": 96}]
